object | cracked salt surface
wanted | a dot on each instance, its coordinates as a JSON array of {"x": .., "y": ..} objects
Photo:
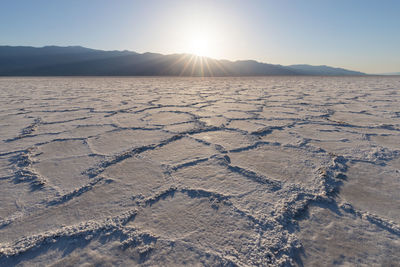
[{"x": 269, "y": 171}]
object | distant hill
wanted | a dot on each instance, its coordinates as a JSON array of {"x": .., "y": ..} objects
[
  {"x": 81, "y": 61},
  {"x": 323, "y": 70},
  {"x": 389, "y": 73}
]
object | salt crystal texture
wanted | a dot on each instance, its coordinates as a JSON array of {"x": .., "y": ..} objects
[{"x": 268, "y": 171}]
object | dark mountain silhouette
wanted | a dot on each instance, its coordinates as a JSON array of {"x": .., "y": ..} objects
[
  {"x": 81, "y": 61},
  {"x": 322, "y": 70}
]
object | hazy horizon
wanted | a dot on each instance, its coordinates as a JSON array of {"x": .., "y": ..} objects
[
  {"x": 167, "y": 54},
  {"x": 244, "y": 59},
  {"x": 358, "y": 35}
]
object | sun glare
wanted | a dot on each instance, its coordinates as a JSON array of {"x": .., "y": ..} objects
[
  {"x": 201, "y": 35},
  {"x": 201, "y": 42},
  {"x": 200, "y": 46}
]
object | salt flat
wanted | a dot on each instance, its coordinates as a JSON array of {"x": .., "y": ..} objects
[{"x": 279, "y": 171}]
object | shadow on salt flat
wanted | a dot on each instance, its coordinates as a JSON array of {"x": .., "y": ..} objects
[{"x": 331, "y": 238}]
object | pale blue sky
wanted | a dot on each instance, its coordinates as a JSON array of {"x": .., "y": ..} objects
[{"x": 354, "y": 34}]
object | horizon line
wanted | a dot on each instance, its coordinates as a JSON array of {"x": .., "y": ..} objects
[{"x": 198, "y": 56}]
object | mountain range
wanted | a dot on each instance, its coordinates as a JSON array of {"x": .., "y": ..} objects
[{"x": 81, "y": 61}]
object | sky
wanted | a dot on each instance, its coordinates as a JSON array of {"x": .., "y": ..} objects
[{"x": 361, "y": 35}]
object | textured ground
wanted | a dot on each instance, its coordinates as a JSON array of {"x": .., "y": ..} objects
[{"x": 220, "y": 171}]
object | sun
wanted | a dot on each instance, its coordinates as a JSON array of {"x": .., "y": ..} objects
[
  {"x": 200, "y": 36},
  {"x": 200, "y": 45},
  {"x": 201, "y": 42}
]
